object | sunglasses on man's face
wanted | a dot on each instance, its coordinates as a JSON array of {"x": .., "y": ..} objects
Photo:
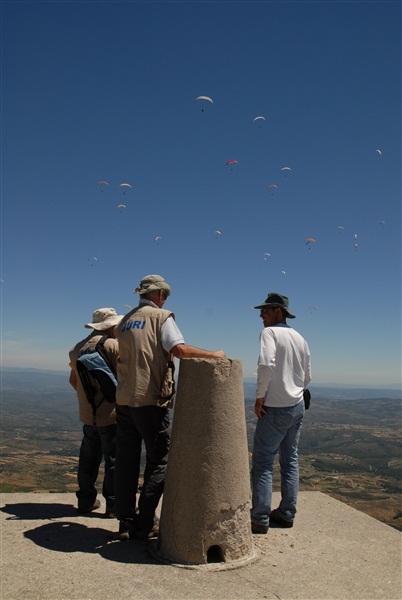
[{"x": 265, "y": 310}]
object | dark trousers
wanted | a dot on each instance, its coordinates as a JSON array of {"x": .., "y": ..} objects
[
  {"x": 97, "y": 443},
  {"x": 151, "y": 425}
]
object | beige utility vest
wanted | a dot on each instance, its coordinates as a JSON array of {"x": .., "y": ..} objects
[{"x": 142, "y": 359}]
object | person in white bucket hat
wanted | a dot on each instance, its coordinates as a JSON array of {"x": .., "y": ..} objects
[{"x": 99, "y": 429}]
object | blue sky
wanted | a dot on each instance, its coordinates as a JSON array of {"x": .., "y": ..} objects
[{"x": 96, "y": 91}]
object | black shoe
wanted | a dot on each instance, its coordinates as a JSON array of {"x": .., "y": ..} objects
[
  {"x": 109, "y": 513},
  {"x": 83, "y": 511},
  {"x": 148, "y": 533},
  {"x": 126, "y": 530},
  {"x": 277, "y": 521},
  {"x": 258, "y": 529}
]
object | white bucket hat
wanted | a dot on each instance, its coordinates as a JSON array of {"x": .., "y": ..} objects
[{"x": 104, "y": 318}]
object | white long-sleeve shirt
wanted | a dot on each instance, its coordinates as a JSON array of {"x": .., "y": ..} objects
[{"x": 284, "y": 367}]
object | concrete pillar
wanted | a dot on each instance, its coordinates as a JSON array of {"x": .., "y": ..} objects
[{"x": 205, "y": 517}]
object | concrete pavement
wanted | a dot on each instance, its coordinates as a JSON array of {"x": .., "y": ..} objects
[{"x": 333, "y": 552}]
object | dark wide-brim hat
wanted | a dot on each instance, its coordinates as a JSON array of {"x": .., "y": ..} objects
[{"x": 277, "y": 300}]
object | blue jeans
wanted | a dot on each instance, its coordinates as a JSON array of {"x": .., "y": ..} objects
[
  {"x": 277, "y": 431},
  {"x": 97, "y": 443},
  {"x": 151, "y": 425}
]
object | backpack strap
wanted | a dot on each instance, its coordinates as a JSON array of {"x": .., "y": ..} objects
[
  {"x": 89, "y": 390},
  {"x": 100, "y": 348}
]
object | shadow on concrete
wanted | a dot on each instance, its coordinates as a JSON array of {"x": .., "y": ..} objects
[
  {"x": 36, "y": 511},
  {"x": 66, "y": 536}
]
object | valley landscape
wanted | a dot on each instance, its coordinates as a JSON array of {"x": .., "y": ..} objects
[{"x": 350, "y": 446}]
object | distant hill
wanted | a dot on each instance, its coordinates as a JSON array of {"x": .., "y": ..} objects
[
  {"x": 28, "y": 379},
  {"x": 342, "y": 392}
]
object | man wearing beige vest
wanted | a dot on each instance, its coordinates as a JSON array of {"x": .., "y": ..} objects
[{"x": 148, "y": 336}]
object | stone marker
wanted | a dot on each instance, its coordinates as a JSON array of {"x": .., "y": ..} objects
[{"x": 205, "y": 517}]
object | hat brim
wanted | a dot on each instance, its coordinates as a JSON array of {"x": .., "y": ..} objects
[
  {"x": 289, "y": 315},
  {"x": 107, "y": 324},
  {"x": 154, "y": 287}
]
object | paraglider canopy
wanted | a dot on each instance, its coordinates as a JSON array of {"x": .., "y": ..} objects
[
  {"x": 272, "y": 186},
  {"x": 259, "y": 120},
  {"x": 205, "y": 99},
  {"x": 92, "y": 261},
  {"x": 102, "y": 183},
  {"x": 230, "y": 162}
]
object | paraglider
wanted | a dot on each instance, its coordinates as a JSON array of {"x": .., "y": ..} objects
[
  {"x": 125, "y": 185},
  {"x": 379, "y": 153},
  {"x": 272, "y": 186},
  {"x": 121, "y": 206},
  {"x": 157, "y": 239},
  {"x": 129, "y": 306},
  {"x": 283, "y": 273},
  {"x": 232, "y": 161},
  {"x": 286, "y": 170},
  {"x": 92, "y": 261},
  {"x": 311, "y": 308},
  {"x": 205, "y": 98},
  {"x": 310, "y": 241},
  {"x": 340, "y": 228},
  {"x": 217, "y": 232},
  {"x": 266, "y": 256},
  {"x": 259, "y": 119},
  {"x": 102, "y": 183}
]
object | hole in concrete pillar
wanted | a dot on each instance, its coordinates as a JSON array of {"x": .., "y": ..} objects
[{"x": 215, "y": 555}]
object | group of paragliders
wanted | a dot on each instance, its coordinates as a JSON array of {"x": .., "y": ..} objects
[
  {"x": 231, "y": 164},
  {"x": 233, "y": 161},
  {"x": 121, "y": 206}
]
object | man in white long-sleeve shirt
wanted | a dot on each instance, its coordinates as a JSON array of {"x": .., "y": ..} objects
[{"x": 284, "y": 371}]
